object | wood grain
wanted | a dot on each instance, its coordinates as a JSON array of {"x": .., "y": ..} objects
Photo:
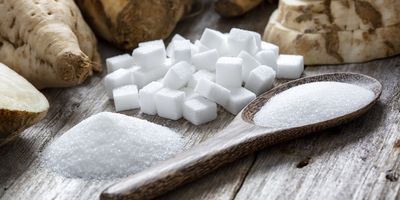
[{"x": 356, "y": 161}]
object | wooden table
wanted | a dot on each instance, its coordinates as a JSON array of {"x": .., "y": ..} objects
[{"x": 359, "y": 160}]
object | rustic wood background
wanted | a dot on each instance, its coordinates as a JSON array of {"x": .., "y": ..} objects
[{"x": 359, "y": 160}]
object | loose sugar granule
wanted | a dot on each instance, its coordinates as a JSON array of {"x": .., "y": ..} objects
[
  {"x": 110, "y": 145},
  {"x": 311, "y": 103}
]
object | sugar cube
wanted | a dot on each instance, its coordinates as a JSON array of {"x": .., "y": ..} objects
[
  {"x": 205, "y": 60},
  {"x": 238, "y": 99},
  {"x": 168, "y": 63},
  {"x": 270, "y": 46},
  {"x": 178, "y": 37},
  {"x": 260, "y": 79},
  {"x": 212, "y": 91},
  {"x": 182, "y": 51},
  {"x": 268, "y": 58},
  {"x": 199, "y": 75},
  {"x": 199, "y": 110},
  {"x": 132, "y": 70},
  {"x": 126, "y": 98},
  {"x": 193, "y": 49},
  {"x": 178, "y": 75},
  {"x": 241, "y": 40},
  {"x": 214, "y": 40},
  {"x": 229, "y": 72},
  {"x": 160, "y": 80},
  {"x": 143, "y": 77},
  {"x": 117, "y": 79},
  {"x": 120, "y": 61},
  {"x": 249, "y": 63},
  {"x": 169, "y": 103},
  {"x": 159, "y": 43},
  {"x": 190, "y": 93},
  {"x": 146, "y": 97},
  {"x": 201, "y": 47},
  {"x": 290, "y": 66},
  {"x": 170, "y": 47},
  {"x": 149, "y": 57},
  {"x": 257, "y": 38}
]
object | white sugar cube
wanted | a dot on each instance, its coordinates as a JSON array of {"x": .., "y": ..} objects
[
  {"x": 178, "y": 37},
  {"x": 143, "y": 77},
  {"x": 199, "y": 110},
  {"x": 126, "y": 98},
  {"x": 132, "y": 70},
  {"x": 168, "y": 63},
  {"x": 160, "y": 80},
  {"x": 117, "y": 79},
  {"x": 205, "y": 60},
  {"x": 170, "y": 47},
  {"x": 257, "y": 38},
  {"x": 290, "y": 66},
  {"x": 229, "y": 72},
  {"x": 190, "y": 93},
  {"x": 182, "y": 51},
  {"x": 214, "y": 40},
  {"x": 212, "y": 91},
  {"x": 260, "y": 79},
  {"x": 147, "y": 97},
  {"x": 200, "y": 46},
  {"x": 120, "y": 61},
  {"x": 169, "y": 103},
  {"x": 201, "y": 74},
  {"x": 268, "y": 58},
  {"x": 149, "y": 57},
  {"x": 241, "y": 40},
  {"x": 270, "y": 46},
  {"x": 158, "y": 43},
  {"x": 178, "y": 75},
  {"x": 193, "y": 49},
  {"x": 238, "y": 99},
  {"x": 249, "y": 63}
]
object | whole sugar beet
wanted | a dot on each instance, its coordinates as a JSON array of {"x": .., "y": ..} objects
[
  {"x": 234, "y": 8},
  {"x": 47, "y": 42},
  {"x": 125, "y": 23}
]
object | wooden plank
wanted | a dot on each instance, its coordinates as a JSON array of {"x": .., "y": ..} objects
[
  {"x": 21, "y": 176},
  {"x": 359, "y": 160}
]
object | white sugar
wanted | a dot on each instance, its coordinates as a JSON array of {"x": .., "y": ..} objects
[
  {"x": 183, "y": 65},
  {"x": 109, "y": 145},
  {"x": 311, "y": 103}
]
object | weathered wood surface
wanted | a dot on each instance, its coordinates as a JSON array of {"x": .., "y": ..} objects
[{"x": 359, "y": 160}]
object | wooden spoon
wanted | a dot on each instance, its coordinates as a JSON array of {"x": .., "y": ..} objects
[{"x": 238, "y": 139}]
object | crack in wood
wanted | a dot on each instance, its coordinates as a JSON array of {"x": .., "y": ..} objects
[
  {"x": 235, "y": 192},
  {"x": 303, "y": 162}
]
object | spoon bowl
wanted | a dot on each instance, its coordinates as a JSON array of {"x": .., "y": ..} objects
[
  {"x": 360, "y": 80},
  {"x": 241, "y": 137}
]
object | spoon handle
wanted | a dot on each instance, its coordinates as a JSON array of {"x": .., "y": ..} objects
[{"x": 235, "y": 141}]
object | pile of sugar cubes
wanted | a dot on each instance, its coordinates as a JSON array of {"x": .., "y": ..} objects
[{"x": 189, "y": 79}]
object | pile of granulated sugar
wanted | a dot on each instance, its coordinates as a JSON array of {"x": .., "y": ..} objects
[
  {"x": 109, "y": 145},
  {"x": 311, "y": 103}
]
